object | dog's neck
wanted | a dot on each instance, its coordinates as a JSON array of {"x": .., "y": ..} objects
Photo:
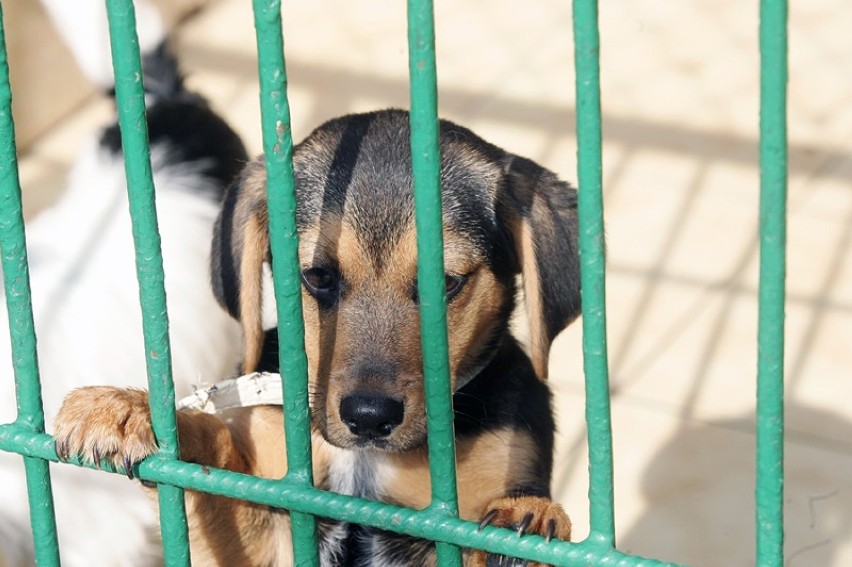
[{"x": 355, "y": 473}]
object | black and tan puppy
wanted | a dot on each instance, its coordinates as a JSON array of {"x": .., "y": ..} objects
[{"x": 503, "y": 215}]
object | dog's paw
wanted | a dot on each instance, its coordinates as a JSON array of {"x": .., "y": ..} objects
[
  {"x": 105, "y": 424},
  {"x": 524, "y": 515}
]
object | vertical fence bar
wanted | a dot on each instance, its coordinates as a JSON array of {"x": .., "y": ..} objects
[
  {"x": 587, "y": 63},
  {"x": 21, "y": 327},
  {"x": 284, "y": 241},
  {"x": 426, "y": 167},
  {"x": 130, "y": 100},
  {"x": 773, "y": 239}
]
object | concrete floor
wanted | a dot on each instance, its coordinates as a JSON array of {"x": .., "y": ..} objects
[{"x": 680, "y": 99}]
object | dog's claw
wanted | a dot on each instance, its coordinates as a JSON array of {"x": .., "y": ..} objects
[
  {"x": 486, "y": 519},
  {"x": 551, "y": 530},
  {"x": 62, "y": 450},
  {"x": 524, "y": 515},
  {"x": 96, "y": 456},
  {"x": 525, "y": 523},
  {"x": 128, "y": 467}
]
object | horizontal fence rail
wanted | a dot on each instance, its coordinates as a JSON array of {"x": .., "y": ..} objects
[
  {"x": 439, "y": 521},
  {"x": 421, "y": 523}
]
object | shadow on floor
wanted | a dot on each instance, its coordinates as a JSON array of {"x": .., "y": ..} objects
[{"x": 700, "y": 494}]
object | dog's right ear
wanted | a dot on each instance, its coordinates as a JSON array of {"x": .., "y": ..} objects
[
  {"x": 240, "y": 248},
  {"x": 540, "y": 213}
]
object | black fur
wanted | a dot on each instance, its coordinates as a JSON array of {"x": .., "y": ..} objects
[
  {"x": 507, "y": 394},
  {"x": 355, "y": 151},
  {"x": 534, "y": 192},
  {"x": 184, "y": 125},
  {"x": 224, "y": 267}
]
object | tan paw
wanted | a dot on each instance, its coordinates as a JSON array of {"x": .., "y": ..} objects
[
  {"x": 524, "y": 515},
  {"x": 105, "y": 424}
]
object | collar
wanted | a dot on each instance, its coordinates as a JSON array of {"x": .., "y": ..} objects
[{"x": 260, "y": 389}]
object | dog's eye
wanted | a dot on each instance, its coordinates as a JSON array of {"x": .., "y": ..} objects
[
  {"x": 454, "y": 283},
  {"x": 321, "y": 281}
]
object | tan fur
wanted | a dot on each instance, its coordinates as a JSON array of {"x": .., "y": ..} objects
[
  {"x": 251, "y": 242},
  {"x": 486, "y": 467},
  {"x": 332, "y": 340},
  {"x": 481, "y": 295},
  {"x": 308, "y": 243},
  {"x": 255, "y": 244},
  {"x": 539, "y": 345},
  {"x": 101, "y": 423}
]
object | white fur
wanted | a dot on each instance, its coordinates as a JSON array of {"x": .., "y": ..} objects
[
  {"x": 83, "y": 26},
  {"x": 88, "y": 319},
  {"x": 88, "y": 323},
  {"x": 359, "y": 473}
]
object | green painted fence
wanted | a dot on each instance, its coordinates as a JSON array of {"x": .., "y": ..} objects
[{"x": 439, "y": 521}]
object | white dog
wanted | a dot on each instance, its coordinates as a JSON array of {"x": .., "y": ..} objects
[{"x": 87, "y": 315}]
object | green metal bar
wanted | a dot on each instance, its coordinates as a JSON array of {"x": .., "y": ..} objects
[
  {"x": 426, "y": 168},
  {"x": 42, "y": 515},
  {"x": 284, "y": 242},
  {"x": 130, "y": 100},
  {"x": 15, "y": 267},
  {"x": 21, "y": 327},
  {"x": 592, "y": 257},
  {"x": 773, "y": 237},
  {"x": 429, "y": 523}
]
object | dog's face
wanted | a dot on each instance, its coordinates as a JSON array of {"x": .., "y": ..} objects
[{"x": 502, "y": 215}]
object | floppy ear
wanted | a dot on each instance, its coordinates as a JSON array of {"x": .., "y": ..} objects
[
  {"x": 240, "y": 247},
  {"x": 540, "y": 212}
]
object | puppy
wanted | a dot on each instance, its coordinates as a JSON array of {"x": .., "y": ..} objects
[
  {"x": 503, "y": 215},
  {"x": 87, "y": 317}
]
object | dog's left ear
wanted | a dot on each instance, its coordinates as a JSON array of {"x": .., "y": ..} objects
[
  {"x": 540, "y": 213},
  {"x": 240, "y": 248}
]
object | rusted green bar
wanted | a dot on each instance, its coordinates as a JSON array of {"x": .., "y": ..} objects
[
  {"x": 21, "y": 328},
  {"x": 130, "y": 100},
  {"x": 426, "y": 168},
  {"x": 592, "y": 258},
  {"x": 284, "y": 242},
  {"x": 773, "y": 238}
]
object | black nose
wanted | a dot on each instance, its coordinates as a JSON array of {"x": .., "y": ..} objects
[{"x": 371, "y": 415}]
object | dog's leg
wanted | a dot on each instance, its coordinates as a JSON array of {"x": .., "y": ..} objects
[
  {"x": 525, "y": 515},
  {"x": 114, "y": 425}
]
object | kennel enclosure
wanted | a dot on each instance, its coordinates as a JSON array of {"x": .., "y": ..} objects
[{"x": 439, "y": 521}]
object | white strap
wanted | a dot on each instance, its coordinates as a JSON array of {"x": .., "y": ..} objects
[{"x": 256, "y": 389}]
